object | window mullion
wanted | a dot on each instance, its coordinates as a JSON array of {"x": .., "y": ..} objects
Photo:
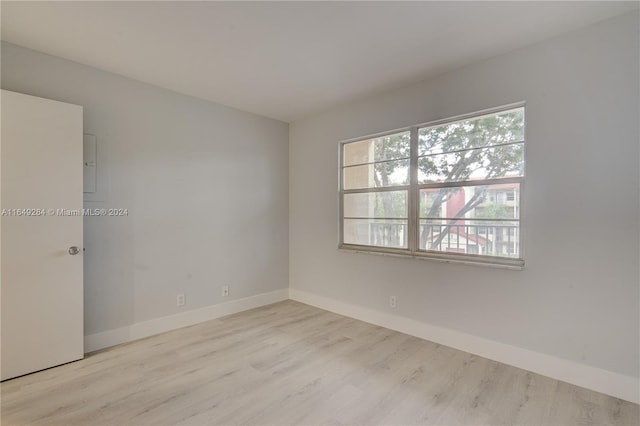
[{"x": 414, "y": 202}]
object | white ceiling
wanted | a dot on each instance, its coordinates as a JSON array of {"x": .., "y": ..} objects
[{"x": 286, "y": 60}]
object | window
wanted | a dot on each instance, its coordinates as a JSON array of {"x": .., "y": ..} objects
[
  {"x": 375, "y": 176},
  {"x": 450, "y": 190}
]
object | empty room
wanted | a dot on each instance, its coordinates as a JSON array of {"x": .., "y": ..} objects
[{"x": 313, "y": 213}]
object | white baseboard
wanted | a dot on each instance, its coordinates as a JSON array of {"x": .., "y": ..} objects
[
  {"x": 148, "y": 328},
  {"x": 597, "y": 379}
]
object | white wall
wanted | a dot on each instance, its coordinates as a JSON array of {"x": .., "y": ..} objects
[
  {"x": 578, "y": 297},
  {"x": 205, "y": 186}
]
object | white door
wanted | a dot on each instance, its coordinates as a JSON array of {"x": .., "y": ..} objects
[{"x": 41, "y": 280}]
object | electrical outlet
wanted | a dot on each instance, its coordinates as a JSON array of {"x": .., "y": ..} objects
[
  {"x": 392, "y": 301},
  {"x": 181, "y": 300},
  {"x": 225, "y": 291}
]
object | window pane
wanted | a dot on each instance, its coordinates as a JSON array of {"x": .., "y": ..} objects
[
  {"x": 376, "y": 232},
  {"x": 501, "y": 201},
  {"x": 469, "y": 177},
  {"x": 389, "y": 204},
  {"x": 493, "y": 129},
  {"x": 376, "y": 175},
  {"x": 471, "y": 237},
  {"x": 483, "y": 163},
  {"x": 379, "y": 149}
]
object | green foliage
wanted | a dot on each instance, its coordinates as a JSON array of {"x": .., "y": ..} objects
[
  {"x": 481, "y": 148},
  {"x": 467, "y": 149},
  {"x": 391, "y": 204},
  {"x": 391, "y": 147},
  {"x": 493, "y": 211},
  {"x": 396, "y": 147}
]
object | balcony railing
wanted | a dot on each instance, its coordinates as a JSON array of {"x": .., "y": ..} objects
[{"x": 489, "y": 239}]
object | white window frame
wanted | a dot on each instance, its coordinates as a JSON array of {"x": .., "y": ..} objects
[{"x": 413, "y": 201}]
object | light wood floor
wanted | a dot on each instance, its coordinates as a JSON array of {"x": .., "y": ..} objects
[{"x": 288, "y": 364}]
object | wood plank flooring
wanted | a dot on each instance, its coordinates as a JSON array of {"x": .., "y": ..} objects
[{"x": 290, "y": 364}]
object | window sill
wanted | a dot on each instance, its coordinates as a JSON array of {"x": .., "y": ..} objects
[{"x": 510, "y": 264}]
